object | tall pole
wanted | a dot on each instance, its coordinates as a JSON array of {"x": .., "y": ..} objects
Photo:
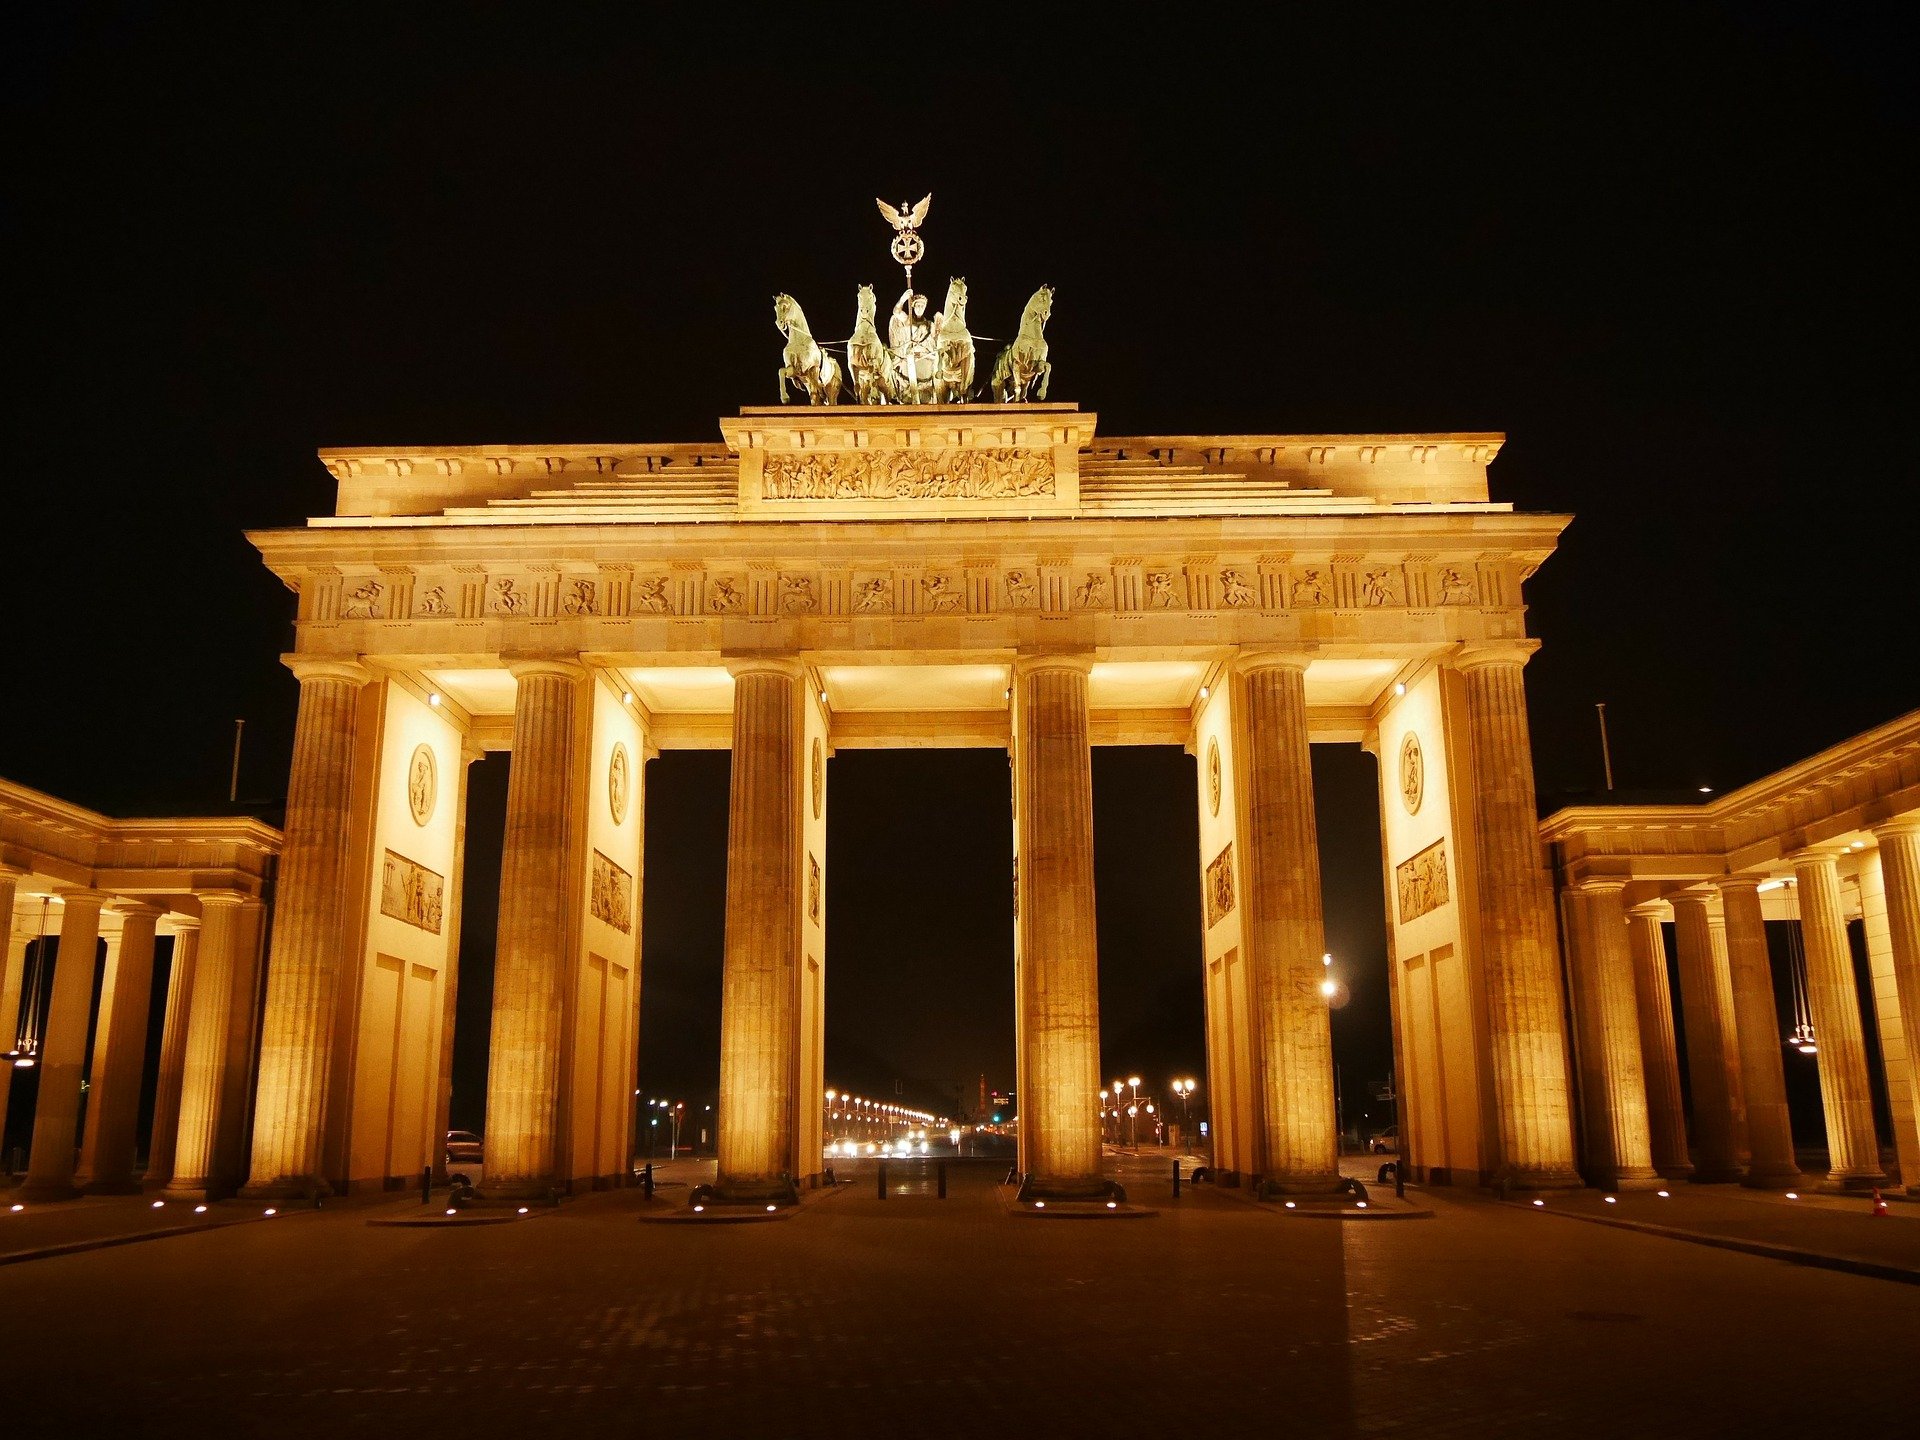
[
  {"x": 233, "y": 780},
  {"x": 1606, "y": 754}
]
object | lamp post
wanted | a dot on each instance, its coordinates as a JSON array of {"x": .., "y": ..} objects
[{"x": 1184, "y": 1089}]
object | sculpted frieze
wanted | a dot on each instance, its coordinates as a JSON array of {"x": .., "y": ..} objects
[
  {"x": 362, "y": 602},
  {"x": 908, "y": 475},
  {"x": 873, "y": 595},
  {"x": 503, "y": 599},
  {"x": 940, "y": 593},
  {"x": 579, "y": 599},
  {"x": 1235, "y": 591},
  {"x": 796, "y": 594},
  {"x": 724, "y": 597},
  {"x": 1312, "y": 587},
  {"x": 1422, "y": 882},
  {"x": 651, "y": 595},
  {"x": 1383, "y": 587},
  {"x": 433, "y": 603},
  {"x": 1095, "y": 592},
  {"x": 1020, "y": 589},
  {"x": 1456, "y": 586}
]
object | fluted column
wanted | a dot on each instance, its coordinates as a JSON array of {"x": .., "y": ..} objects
[
  {"x": 1853, "y": 1148},
  {"x": 310, "y": 929},
  {"x": 1899, "y": 843},
  {"x": 1059, "y": 965},
  {"x": 203, "y": 1080},
  {"x": 1519, "y": 957},
  {"x": 1284, "y": 935},
  {"x": 759, "y": 1003},
  {"x": 1709, "y": 1026},
  {"x": 1618, "y": 1144},
  {"x": 13, "y": 974},
  {"x": 449, "y": 1006},
  {"x": 1659, "y": 1053},
  {"x": 173, "y": 1052},
  {"x": 56, "y": 1113},
  {"x": 1757, "y": 1032},
  {"x": 1723, "y": 976},
  {"x": 119, "y": 1060},
  {"x": 539, "y": 894}
]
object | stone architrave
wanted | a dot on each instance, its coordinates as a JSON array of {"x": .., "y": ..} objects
[
  {"x": 1659, "y": 1052},
  {"x": 1771, "y": 1161},
  {"x": 56, "y": 1113},
  {"x": 1059, "y": 990},
  {"x": 1284, "y": 933},
  {"x": 1519, "y": 953},
  {"x": 1853, "y": 1146},
  {"x": 1709, "y": 1027},
  {"x": 1619, "y": 1147},
  {"x": 310, "y": 935},
  {"x": 204, "y": 1087},
  {"x": 173, "y": 1052},
  {"x": 1899, "y": 843},
  {"x": 539, "y": 892},
  {"x": 759, "y": 1007},
  {"x": 120, "y": 1046}
]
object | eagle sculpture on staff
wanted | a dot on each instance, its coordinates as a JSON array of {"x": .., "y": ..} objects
[{"x": 906, "y": 222}]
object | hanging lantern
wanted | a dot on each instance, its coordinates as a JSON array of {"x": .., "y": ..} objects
[
  {"x": 1802, "y": 1038},
  {"x": 33, "y": 1016}
]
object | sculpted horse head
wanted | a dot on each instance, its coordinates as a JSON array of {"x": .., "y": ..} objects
[{"x": 955, "y": 309}]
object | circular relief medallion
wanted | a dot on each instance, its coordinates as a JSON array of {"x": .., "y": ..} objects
[
  {"x": 617, "y": 779},
  {"x": 819, "y": 777},
  {"x": 1213, "y": 777},
  {"x": 423, "y": 784},
  {"x": 1413, "y": 773}
]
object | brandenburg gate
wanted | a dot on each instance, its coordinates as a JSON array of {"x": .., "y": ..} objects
[{"x": 899, "y": 574}]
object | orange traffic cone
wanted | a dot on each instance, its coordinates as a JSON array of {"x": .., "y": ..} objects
[{"x": 1879, "y": 1205}]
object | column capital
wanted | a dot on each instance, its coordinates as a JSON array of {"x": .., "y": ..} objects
[
  {"x": 1814, "y": 856},
  {"x": 787, "y": 666},
  {"x": 1900, "y": 826},
  {"x": 1701, "y": 895},
  {"x": 1479, "y": 654},
  {"x": 12, "y": 872},
  {"x": 1650, "y": 910},
  {"x": 1739, "y": 882},
  {"x": 1247, "y": 660},
  {"x": 135, "y": 909},
  {"x": 80, "y": 895},
  {"x": 1599, "y": 885},
  {"x": 1029, "y": 662},
  {"x": 220, "y": 898},
  {"x": 326, "y": 667},
  {"x": 568, "y": 667},
  {"x": 178, "y": 924}
]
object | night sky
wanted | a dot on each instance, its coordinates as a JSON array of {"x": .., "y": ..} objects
[{"x": 1664, "y": 252}]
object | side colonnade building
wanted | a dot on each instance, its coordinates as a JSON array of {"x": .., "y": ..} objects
[
  {"x": 1832, "y": 840},
  {"x": 834, "y": 577},
  {"x": 87, "y": 897}
]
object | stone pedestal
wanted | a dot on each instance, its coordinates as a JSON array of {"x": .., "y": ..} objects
[
  {"x": 539, "y": 895},
  {"x": 1619, "y": 1150},
  {"x": 1519, "y": 956},
  {"x": 1059, "y": 991},
  {"x": 308, "y": 962},
  {"x": 1757, "y": 1030},
  {"x": 119, "y": 1060},
  {"x": 759, "y": 1007},
  {"x": 204, "y": 1089},
  {"x": 1659, "y": 1051},
  {"x": 1900, "y": 871},
  {"x": 1709, "y": 1025},
  {"x": 1284, "y": 934},
  {"x": 1853, "y": 1147},
  {"x": 173, "y": 1053},
  {"x": 56, "y": 1115}
]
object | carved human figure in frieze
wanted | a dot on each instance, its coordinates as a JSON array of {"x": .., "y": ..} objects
[
  {"x": 1095, "y": 592},
  {"x": 1381, "y": 587},
  {"x": 505, "y": 599},
  {"x": 940, "y": 592},
  {"x": 1311, "y": 587},
  {"x": 723, "y": 597},
  {"x": 873, "y": 594},
  {"x": 651, "y": 595},
  {"x": 796, "y": 594},
  {"x": 579, "y": 599},
  {"x": 433, "y": 602},
  {"x": 362, "y": 602},
  {"x": 1234, "y": 589},
  {"x": 1455, "y": 587},
  {"x": 1020, "y": 588},
  {"x": 1160, "y": 589}
]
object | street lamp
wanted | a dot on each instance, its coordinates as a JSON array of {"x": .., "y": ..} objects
[{"x": 1184, "y": 1089}]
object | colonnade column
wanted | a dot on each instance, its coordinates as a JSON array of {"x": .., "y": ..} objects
[
  {"x": 1059, "y": 995},
  {"x": 310, "y": 927},
  {"x": 759, "y": 1003},
  {"x": 1853, "y": 1148},
  {"x": 1756, "y": 1026},
  {"x": 1710, "y": 1047},
  {"x": 539, "y": 895},
  {"x": 1659, "y": 1054},
  {"x": 13, "y": 971},
  {"x": 1519, "y": 960},
  {"x": 1736, "y": 1087},
  {"x": 1285, "y": 936},
  {"x": 173, "y": 1052},
  {"x": 119, "y": 1059},
  {"x": 1619, "y": 1147},
  {"x": 204, "y": 1092},
  {"x": 1899, "y": 844},
  {"x": 63, "y": 1054}
]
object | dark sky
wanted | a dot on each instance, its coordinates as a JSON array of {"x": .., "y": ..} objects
[{"x": 1664, "y": 250}]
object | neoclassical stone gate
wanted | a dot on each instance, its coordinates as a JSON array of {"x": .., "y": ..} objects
[{"x": 837, "y": 577}]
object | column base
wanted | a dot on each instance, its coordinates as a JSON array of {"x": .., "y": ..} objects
[
  {"x": 1772, "y": 1180},
  {"x": 39, "y": 1192},
  {"x": 1531, "y": 1180},
  {"x": 499, "y": 1191},
  {"x": 1269, "y": 1187},
  {"x": 1715, "y": 1175},
  {"x": 127, "y": 1186},
  {"x": 1629, "y": 1181},
  {"x": 1676, "y": 1174},
  {"x": 1834, "y": 1184},
  {"x": 754, "y": 1191},
  {"x": 1069, "y": 1187},
  {"x": 287, "y": 1187}
]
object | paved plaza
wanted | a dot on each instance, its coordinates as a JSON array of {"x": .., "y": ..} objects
[{"x": 922, "y": 1317}]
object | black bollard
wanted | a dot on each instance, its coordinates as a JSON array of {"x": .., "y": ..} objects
[
  {"x": 1176, "y": 1179},
  {"x": 940, "y": 1174},
  {"x": 1400, "y": 1178},
  {"x": 426, "y": 1186},
  {"x": 646, "y": 1181},
  {"x": 881, "y": 1174}
]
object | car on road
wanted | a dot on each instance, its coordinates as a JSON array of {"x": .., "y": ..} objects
[
  {"x": 464, "y": 1154},
  {"x": 1387, "y": 1142}
]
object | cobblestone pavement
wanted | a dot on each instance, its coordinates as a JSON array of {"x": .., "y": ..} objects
[{"x": 929, "y": 1318}]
